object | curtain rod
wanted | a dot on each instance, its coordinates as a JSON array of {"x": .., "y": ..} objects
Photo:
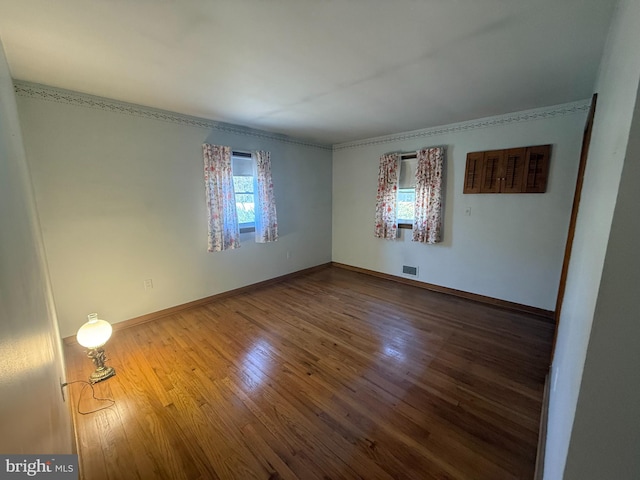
[
  {"x": 240, "y": 153},
  {"x": 414, "y": 154}
]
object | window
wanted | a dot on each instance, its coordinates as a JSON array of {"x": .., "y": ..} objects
[
  {"x": 406, "y": 200},
  {"x": 401, "y": 179},
  {"x": 244, "y": 189},
  {"x": 239, "y": 195},
  {"x": 406, "y": 205}
]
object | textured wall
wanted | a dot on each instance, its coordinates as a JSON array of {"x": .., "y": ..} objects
[
  {"x": 597, "y": 267},
  {"x": 605, "y": 439},
  {"x": 33, "y": 417},
  {"x": 121, "y": 199},
  {"x": 511, "y": 247}
]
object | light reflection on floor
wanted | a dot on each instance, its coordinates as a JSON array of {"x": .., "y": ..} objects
[
  {"x": 395, "y": 352},
  {"x": 256, "y": 363}
]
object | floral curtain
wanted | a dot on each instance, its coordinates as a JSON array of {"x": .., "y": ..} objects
[
  {"x": 427, "y": 223},
  {"x": 265, "y": 208},
  {"x": 224, "y": 233},
  {"x": 386, "y": 226}
]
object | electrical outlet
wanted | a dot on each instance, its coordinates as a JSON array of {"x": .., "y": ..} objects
[
  {"x": 148, "y": 284},
  {"x": 288, "y": 254}
]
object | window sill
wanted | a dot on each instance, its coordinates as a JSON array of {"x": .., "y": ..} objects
[
  {"x": 247, "y": 229},
  {"x": 408, "y": 226}
]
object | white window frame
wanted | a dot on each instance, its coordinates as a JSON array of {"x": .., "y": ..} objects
[
  {"x": 400, "y": 220},
  {"x": 245, "y": 227},
  {"x": 406, "y": 184}
]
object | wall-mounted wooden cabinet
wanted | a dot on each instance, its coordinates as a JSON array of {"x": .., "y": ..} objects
[{"x": 513, "y": 170}]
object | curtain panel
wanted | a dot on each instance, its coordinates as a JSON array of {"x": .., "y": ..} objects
[
  {"x": 386, "y": 226},
  {"x": 427, "y": 224},
  {"x": 224, "y": 233},
  {"x": 266, "y": 219}
]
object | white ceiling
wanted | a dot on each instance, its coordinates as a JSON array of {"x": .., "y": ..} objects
[{"x": 328, "y": 71}]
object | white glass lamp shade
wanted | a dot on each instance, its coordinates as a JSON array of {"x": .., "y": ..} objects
[{"x": 94, "y": 333}]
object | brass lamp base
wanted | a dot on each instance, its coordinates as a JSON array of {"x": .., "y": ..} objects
[{"x": 101, "y": 374}]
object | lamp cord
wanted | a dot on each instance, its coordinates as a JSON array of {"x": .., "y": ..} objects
[{"x": 93, "y": 394}]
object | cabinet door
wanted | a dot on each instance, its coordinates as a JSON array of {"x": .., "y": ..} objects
[
  {"x": 473, "y": 172},
  {"x": 537, "y": 169},
  {"x": 492, "y": 171},
  {"x": 513, "y": 173}
]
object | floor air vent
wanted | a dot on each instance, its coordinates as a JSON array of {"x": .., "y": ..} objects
[{"x": 407, "y": 270}]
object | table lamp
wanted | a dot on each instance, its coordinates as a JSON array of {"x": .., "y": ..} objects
[{"x": 93, "y": 335}]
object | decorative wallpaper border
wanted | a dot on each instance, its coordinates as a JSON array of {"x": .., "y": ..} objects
[
  {"x": 495, "y": 121},
  {"x": 52, "y": 94}
]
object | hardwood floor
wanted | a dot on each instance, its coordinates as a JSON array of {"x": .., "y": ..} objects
[{"x": 331, "y": 375}]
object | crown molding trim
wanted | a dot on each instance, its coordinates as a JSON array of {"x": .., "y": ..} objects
[
  {"x": 581, "y": 106},
  {"x": 52, "y": 94}
]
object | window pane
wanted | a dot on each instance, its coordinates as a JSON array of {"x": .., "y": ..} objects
[
  {"x": 406, "y": 205},
  {"x": 243, "y": 184},
  {"x": 245, "y": 208}
]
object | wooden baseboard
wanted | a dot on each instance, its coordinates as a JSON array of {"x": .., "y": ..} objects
[
  {"x": 545, "y": 314},
  {"x": 149, "y": 317},
  {"x": 542, "y": 432}
]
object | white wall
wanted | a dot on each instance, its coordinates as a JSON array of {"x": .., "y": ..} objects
[
  {"x": 604, "y": 437},
  {"x": 511, "y": 247},
  {"x": 34, "y": 417},
  {"x": 605, "y": 440},
  {"x": 121, "y": 199}
]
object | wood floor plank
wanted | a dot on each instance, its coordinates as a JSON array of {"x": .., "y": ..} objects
[{"x": 330, "y": 375}]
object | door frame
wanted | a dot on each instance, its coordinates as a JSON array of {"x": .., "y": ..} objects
[{"x": 584, "y": 153}]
